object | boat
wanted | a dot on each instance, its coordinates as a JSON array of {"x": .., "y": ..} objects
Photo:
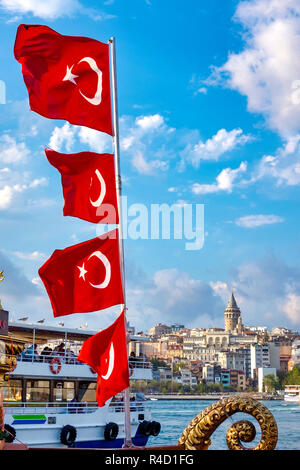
[
  {"x": 49, "y": 398},
  {"x": 292, "y": 393}
]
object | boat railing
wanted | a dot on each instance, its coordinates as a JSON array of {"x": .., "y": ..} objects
[
  {"x": 70, "y": 407},
  {"x": 50, "y": 407},
  {"x": 68, "y": 358},
  {"x": 43, "y": 358},
  {"x": 118, "y": 407}
]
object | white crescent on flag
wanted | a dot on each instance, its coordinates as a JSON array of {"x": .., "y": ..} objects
[
  {"x": 99, "y": 201},
  {"x": 107, "y": 266},
  {"x": 111, "y": 363},
  {"x": 96, "y": 100}
]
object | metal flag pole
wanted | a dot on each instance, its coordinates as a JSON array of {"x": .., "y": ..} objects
[{"x": 112, "y": 42}]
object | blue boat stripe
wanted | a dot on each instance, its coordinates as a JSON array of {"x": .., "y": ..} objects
[{"x": 29, "y": 421}]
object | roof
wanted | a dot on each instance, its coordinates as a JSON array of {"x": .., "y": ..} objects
[
  {"x": 232, "y": 302},
  {"x": 44, "y": 333}
]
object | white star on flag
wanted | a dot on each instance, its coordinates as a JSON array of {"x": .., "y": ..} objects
[
  {"x": 83, "y": 271},
  {"x": 70, "y": 76}
]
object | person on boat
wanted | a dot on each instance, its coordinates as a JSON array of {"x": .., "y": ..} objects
[
  {"x": 70, "y": 356},
  {"x": 29, "y": 353},
  {"x": 132, "y": 403},
  {"x": 132, "y": 358},
  {"x": 46, "y": 353}
]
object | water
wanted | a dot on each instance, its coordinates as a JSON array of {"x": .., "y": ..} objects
[{"x": 175, "y": 415}]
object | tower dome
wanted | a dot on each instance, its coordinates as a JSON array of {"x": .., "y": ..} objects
[{"x": 232, "y": 315}]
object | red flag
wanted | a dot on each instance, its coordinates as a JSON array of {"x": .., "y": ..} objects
[
  {"x": 84, "y": 277},
  {"x": 67, "y": 77},
  {"x": 89, "y": 188},
  {"x": 106, "y": 353}
]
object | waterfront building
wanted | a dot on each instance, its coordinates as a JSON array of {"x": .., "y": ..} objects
[
  {"x": 237, "y": 380},
  {"x": 174, "y": 351},
  {"x": 164, "y": 374},
  {"x": 245, "y": 351},
  {"x": 202, "y": 354},
  {"x": 197, "y": 332},
  {"x": 177, "y": 327},
  {"x": 295, "y": 350},
  {"x": 151, "y": 349},
  {"x": 159, "y": 330},
  {"x": 185, "y": 377},
  {"x": 274, "y": 354},
  {"x": 232, "y": 360},
  {"x": 192, "y": 343},
  {"x": 217, "y": 338},
  {"x": 257, "y": 329},
  {"x": 225, "y": 378},
  {"x": 208, "y": 373},
  {"x": 243, "y": 339},
  {"x": 260, "y": 358}
]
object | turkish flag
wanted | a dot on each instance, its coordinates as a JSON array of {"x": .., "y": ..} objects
[
  {"x": 89, "y": 185},
  {"x": 85, "y": 277},
  {"x": 67, "y": 77},
  {"x": 106, "y": 353}
]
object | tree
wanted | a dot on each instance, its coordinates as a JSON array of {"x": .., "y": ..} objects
[
  {"x": 269, "y": 382},
  {"x": 158, "y": 363},
  {"x": 292, "y": 377},
  {"x": 178, "y": 366}
]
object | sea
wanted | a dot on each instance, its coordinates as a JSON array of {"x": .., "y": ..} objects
[{"x": 175, "y": 415}]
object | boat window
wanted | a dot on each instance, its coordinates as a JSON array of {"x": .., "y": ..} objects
[
  {"x": 63, "y": 391},
  {"x": 12, "y": 390},
  {"x": 37, "y": 390},
  {"x": 87, "y": 391}
]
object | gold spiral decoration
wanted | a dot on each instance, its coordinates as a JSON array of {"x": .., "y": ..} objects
[
  {"x": 197, "y": 434},
  {"x": 9, "y": 351}
]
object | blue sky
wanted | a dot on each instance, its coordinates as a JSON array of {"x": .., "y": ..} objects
[{"x": 209, "y": 109}]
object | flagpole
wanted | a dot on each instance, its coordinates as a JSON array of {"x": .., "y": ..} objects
[{"x": 112, "y": 42}]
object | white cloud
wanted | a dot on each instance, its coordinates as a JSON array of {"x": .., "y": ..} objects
[
  {"x": 97, "y": 141},
  {"x": 221, "y": 289},
  {"x": 38, "y": 182},
  {"x": 14, "y": 183},
  {"x": 49, "y": 9},
  {"x": 63, "y": 136},
  {"x": 145, "y": 141},
  {"x": 212, "y": 149},
  {"x": 172, "y": 190},
  {"x": 12, "y": 151},
  {"x": 37, "y": 281},
  {"x": 291, "y": 307},
  {"x": 267, "y": 291},
  {"x": 34, "y": 256},
  {"x": 257, "y": 220},
  {"x": 284, "y": 166},
  {"x": 266, "y": 71},
  {"x": 225, "y": 181},
  {"x": 150, "y": 123},
  {"x": 171, "y": 296},
  {"x": 6, "y": 195},
  {"x": 201, "y": 90},
  {"x": 147, "y": 167}
]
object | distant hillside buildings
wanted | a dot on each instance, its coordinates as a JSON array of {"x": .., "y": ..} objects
[{"x": 236, "y": 356}]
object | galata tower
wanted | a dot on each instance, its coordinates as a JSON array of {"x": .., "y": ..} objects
[{"x": 232, "y": 315}]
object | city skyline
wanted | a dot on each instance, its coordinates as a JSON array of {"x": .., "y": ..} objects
[{"x": 205, "y": 118}]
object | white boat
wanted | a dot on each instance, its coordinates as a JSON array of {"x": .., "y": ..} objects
[
  {"x": 292, "y": 393},
  {"x": 50, "y": 397}
]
